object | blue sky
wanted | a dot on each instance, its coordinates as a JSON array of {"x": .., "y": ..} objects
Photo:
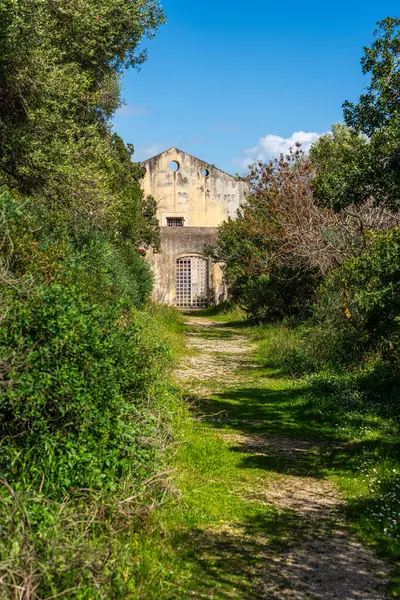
[{"x": 232, "y": 81}]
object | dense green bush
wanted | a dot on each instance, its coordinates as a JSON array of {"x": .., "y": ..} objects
[
  {"x": 107, "y": 269},
  {"x": 372, "y": 284},
  {"x": 85, "y": 402},
  {"x": 352, "y": 340},
  {"x": 75, "y": 387},
  {"x": 263, "y": 286},
  {"x": 85, "y": 406},
  {"x": 357, "y": 315},
  {"x": 279, "y": 295},
  {"x": 77, "y": 370}
]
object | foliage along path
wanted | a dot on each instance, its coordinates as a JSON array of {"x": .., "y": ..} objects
[{"x": 266, "y": 521}]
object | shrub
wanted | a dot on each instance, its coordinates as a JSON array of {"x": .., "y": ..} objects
[
  {"x": 109, "y": 270},
  {"x": 275, "y": 296},
  {"x": 352, "y": 340},
  {"x": 76, "y": 379},
  {"x": 372, "y": 284},
  {"x": 77, "y": 364},
  {"x": 85, "y": 409},
  {"x": 356, "y": 320}
]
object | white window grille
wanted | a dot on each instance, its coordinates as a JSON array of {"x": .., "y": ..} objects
[{"x": 192, "y": 282}]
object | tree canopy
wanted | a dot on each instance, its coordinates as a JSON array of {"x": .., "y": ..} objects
[
  {"x": 362, "y": 161},
  {"x": 60, "y": 67},
  {"x": 381, "y": 103}
]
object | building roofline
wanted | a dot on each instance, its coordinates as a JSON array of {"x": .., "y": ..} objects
[{"x": 192, "y": 155}]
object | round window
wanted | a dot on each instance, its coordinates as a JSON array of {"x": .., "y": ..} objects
[{"x": 174, "y": 166}]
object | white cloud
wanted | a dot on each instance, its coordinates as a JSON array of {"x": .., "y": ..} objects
[
  {"x": 132, "y": 110},
  {"x": 271, "y": 146}
]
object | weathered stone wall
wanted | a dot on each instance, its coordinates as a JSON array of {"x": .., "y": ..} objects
[
  {"x": 199, "y": 192},
  {"x": 177, "y": 242}
]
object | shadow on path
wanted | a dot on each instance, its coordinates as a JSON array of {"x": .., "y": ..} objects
[{"x": 293, "y": 543}]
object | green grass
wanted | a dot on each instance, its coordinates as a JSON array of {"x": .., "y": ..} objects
[
  {"x": 367, "y": 468},
  {"x": 85, "y": 542},
  {"x": 169, "y": 324},
  {"x": 226, "y": 312},
  {"x": 211, "y": 527},
  {"x": 202, "y": 528}
]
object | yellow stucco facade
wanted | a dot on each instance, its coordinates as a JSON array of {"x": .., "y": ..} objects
[
  {"x": 197, "y": 191},
  {"x": 193, "y": 197}
]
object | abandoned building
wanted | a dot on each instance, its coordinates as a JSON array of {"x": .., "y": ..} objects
[{"x": 193, "y": 198}]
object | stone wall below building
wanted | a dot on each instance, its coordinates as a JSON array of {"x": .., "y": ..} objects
[{"x": 180, "y": 242}]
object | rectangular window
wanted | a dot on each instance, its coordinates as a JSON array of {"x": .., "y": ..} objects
[{"x": 174, "y": 221}]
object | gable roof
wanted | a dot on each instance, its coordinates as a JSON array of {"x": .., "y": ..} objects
[{"x": 206, "y": 164}]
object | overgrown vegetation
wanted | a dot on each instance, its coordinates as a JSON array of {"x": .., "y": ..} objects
[
  {"x": 262, "y": 451},
  {"x": 317, "y": 240},
  {"x": 86, "y": 405},
  {"x": 85, "y": 400},
  {"x": 314, "y": 256}
]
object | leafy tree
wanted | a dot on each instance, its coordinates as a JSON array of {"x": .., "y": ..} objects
[
  {"x": 352, "y": 170},
  {"x": 362, "y": 161},
  {"x": 265, "y": 275},
  {"x": 283, "y": 244},
  {"x": 60, "y": 66},
  {"x": 340, "y": 159},
  {"x": 381, "y": 103},
  {"x": 133, "y": 216}
]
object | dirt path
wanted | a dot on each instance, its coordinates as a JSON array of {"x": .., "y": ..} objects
[{"x": 302, "y": 549}]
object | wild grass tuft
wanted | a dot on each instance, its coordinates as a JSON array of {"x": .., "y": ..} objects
[
  {"x": 168, "y": 323},
  {"x": 280, "y": 347},
  {"x": 226, "y": 311}
]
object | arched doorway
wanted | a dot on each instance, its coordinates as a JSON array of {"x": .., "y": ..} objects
[{"x": 192, "y": 282}]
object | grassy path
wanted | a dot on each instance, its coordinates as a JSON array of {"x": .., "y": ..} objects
[{"x": 265, "y": 519}]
